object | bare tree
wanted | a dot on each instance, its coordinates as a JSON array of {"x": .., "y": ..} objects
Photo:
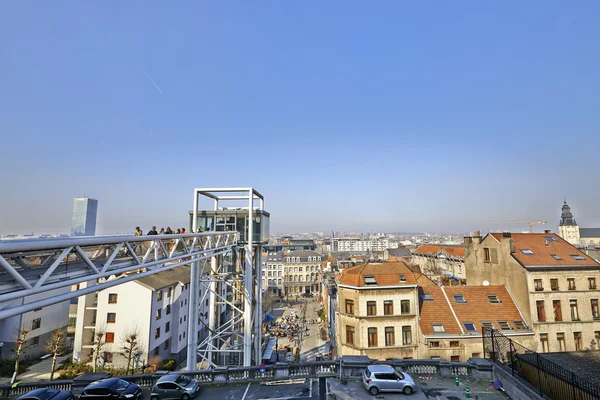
[
  {"x": 99, "y": 342},
  {"x": 130, "y": 345},
  {"x": 20, "y": 341},
  {"x": 57, "y": 346},
  {"x": 267, "y": 302}
]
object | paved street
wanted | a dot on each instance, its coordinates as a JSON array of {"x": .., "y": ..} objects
[{"x": 311, "y": 345}]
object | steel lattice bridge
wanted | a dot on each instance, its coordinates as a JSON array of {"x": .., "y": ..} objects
[
  {"x": 34, "y": 267},
  {"x": 225, "y": 273}
]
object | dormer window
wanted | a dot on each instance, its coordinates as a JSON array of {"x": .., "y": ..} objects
[
  {"x": 402, "y": 278},
  {"x": 426, "y": 297},
  {"x": 459, "y": 298},
  {"x": 527, "y": 252},
  {"x": 493, "y": 299},
  {"x": 370, "y": 280},
  {"x": 438, "y": 328}
]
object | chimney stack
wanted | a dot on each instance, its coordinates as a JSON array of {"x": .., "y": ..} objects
[
  {"x": 506, "y": 234},
  {"x": 547, "y": 231}
]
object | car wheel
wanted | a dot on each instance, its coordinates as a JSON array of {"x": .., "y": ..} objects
[
  {"x": 154, "y": 398},
  {"x": 185, "y": 397},
  {"x": 407, "y": 390},
  {"x": 374, "y": 391}
]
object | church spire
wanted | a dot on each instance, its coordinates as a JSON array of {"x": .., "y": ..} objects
[{"x": 566, "y": 217}]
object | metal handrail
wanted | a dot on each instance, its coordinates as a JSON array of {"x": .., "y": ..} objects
[{"x": 17, "y": 246}]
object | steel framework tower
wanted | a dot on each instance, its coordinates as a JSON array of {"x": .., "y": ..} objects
[{"x": 231, "y": 282}]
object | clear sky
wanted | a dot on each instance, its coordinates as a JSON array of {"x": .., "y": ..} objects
[{"x": 389, "y": 115}]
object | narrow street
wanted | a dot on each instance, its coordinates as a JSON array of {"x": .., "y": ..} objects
[{"x": 309, "y": 341}]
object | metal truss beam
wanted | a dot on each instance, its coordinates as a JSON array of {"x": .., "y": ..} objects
[{"x": 25, "y": 269}]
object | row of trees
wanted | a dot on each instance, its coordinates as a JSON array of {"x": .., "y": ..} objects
[{"x": 58, "y": 345}]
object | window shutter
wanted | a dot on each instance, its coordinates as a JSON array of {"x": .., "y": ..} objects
[{"x": 494, "y": 256}]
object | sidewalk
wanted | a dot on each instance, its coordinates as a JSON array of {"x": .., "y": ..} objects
[{"x": 39, "y": 371}]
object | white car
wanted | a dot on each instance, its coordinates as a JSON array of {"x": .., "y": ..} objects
[{"x": 384, "y": 378}]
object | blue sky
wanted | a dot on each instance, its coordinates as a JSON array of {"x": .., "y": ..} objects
[{"x": 346, "y": 115}]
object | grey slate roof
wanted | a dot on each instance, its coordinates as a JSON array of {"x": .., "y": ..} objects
[
  {"x": 589, "y": 232},
  {"x": 167, "y": 278},
  {"x": 400, "y": 252},
  {"x": 275, "y": 257},
  {"x": 303, "y": 253}
]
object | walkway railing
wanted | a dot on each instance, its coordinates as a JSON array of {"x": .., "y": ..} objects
[{"x": 346, "y": 368}]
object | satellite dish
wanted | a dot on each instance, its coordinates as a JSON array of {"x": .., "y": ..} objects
[{"x": 486, "y": 283}]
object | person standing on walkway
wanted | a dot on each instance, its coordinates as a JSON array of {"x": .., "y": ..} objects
[
  {"x": 152, "y": 231},
  {"x": 138, "y": 232}
]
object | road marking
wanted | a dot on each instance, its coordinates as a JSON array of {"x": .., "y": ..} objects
[{"x": 246, "y": 392}]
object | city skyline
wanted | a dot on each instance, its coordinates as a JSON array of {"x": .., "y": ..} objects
[{"x": 393, "y": 116}]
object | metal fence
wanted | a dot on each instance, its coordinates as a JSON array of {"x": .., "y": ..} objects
[{"x": 546, "y": 377}]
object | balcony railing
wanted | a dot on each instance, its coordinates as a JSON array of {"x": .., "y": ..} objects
[{"x": 346, "y": 368}]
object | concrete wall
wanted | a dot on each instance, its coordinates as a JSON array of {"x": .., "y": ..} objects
[
  {"x": 514, "y": 387},
  {"x": 506, "y": 271},
  {"x": 132, "y": 309}
]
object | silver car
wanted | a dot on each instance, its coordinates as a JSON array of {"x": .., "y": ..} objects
[
  {"x": 384, "y": 378},
  {"x": 174, "y": 386}
]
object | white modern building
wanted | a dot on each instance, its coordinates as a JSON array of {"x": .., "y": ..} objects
[
  {"x": 40, "y": 324},
  {"x": 155, "y": 306},
  {"x": 362, "y": 244}
]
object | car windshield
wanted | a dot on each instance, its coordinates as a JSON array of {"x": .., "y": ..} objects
[
  {"x": 183, "y": 380},
  {"x": 45, "y": 395},
  {"x": 121, "y": 385}
]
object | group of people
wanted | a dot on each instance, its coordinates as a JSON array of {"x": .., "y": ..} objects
[
  {"x": 284, "y": 326},
  {"x": 163, "y": 231}
]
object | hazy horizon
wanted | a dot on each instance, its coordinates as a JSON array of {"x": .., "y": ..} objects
[{"x": 348, "y": 116}]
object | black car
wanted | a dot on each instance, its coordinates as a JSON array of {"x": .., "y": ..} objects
[
  {"x": 113, "y": 388},
  {"x": 47, "y": 394}
]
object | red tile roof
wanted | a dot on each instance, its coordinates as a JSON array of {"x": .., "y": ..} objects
[
  {"x": 387, "y": 273},
  {"x": 476, "y": 309},
  {"x": 543, "y": 245},
  {"x": 430, "y": 249}
]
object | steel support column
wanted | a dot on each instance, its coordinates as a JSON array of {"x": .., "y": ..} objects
[
  {"x": 192, "y": 341},
  {"x": 248, "y": 283}
]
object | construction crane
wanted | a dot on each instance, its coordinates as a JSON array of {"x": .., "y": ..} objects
[{"x": 530, "y": 223}]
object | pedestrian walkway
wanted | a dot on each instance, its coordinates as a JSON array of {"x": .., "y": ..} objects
[{"x": 39, "y": 371}]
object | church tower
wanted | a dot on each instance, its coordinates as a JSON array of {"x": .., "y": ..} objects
[{"x": 568, "y": 228}]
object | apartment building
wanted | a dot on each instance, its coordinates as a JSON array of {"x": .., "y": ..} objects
[
  {"x": 302, "y": 272},
  {"x": 155, "y": 306},
  {"x": 362, "y": 244},
  {"x": 385, "y": 310},
  {"x": 452, "y": 319},
  {"x": 438, "y": 260},
  {"x": 40, "y": 324},
  {"x": 553, "y": 283},
  {"x": 378, "y": 310},
  {"x": 272, "y": 272}
]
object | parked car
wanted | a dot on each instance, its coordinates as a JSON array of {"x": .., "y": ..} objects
[
  {"x": 112, "y": 388},
  {"x": 47, "y": 394},
  {"x": 174, "y": 386},
  {"x": 384, "y": 378}
]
